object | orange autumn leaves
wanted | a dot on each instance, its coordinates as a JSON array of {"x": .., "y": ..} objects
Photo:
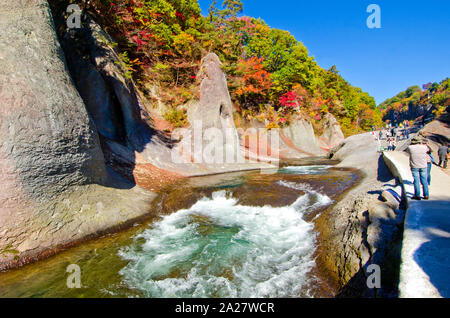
[
  {"x": 255, "y": 79},
  {"x": 254, "y": 83}
]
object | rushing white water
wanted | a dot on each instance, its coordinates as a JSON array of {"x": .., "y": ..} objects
[
  {"x": 219, "y": 248},
  {"x": 305, "y": 169}
]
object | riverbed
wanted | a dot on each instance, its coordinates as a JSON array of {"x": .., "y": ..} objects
[{"x": 246, "y": 234}]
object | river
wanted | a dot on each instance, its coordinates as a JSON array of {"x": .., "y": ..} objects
[{"x": 243, "y": 234}]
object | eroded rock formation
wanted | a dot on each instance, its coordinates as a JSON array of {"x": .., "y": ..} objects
[
  {"x": 332, "y": 134},
  {"x": 210, "y": 117},
  {"x": 111, "y": 97},
  {"x": 55, "y": 186}
]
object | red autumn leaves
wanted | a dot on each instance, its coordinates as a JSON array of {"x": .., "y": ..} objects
[{"x": 255, "y": 80}]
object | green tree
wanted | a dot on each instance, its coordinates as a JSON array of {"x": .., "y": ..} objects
[{"x": 229, "y": 9}]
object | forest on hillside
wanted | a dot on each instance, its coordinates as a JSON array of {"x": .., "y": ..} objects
[
  {"x": 416, "y": 101},
  {"x": 271, "y": 76}
]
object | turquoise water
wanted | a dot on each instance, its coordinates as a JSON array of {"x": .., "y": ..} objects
[
  {"x": 219, "y": 248},
  {"x": 249, "y": 235}
]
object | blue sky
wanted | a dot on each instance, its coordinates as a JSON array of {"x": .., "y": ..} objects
[{"x": 411, "y": 48}]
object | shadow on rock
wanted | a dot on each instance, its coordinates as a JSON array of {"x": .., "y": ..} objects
[{"x": 383, "y": 173}]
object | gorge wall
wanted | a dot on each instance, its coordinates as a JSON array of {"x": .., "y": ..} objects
[{"x": 56, "y": 188}]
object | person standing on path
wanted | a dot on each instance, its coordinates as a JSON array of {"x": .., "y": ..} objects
[
  {"x": 430, "y": 161},
  {"x": 392, "y": 144},
  {"x": 418, "y": 157},
  {"x": 389, "y": 144},
  {"x": 442, "y": 153}
]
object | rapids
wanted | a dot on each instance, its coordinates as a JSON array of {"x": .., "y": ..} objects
[{"x": 236, "y": 235}]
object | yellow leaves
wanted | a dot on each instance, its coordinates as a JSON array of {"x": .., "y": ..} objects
[
  {"x": 262, "y": 29},
  {"x": 182, "y": 43},
  {"x": 272, "y": 125},
  {"x": 207, "y": 44},
  {"x": 176, "y": 117}
]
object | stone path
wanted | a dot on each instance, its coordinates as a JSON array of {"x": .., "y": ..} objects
[{"x": 425, "y": 268}]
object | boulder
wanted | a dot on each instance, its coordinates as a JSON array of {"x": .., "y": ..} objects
[
  {"x": 332, "y": 134},
  {"x": 300, "y": 133},
  {"x": 214, "y": 111}
]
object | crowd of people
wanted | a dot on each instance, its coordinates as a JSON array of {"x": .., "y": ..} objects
[
  {"x": 421, "y": 159},
  {"x": 392, "y": 135},
  {"x": 395, "y": 133}
]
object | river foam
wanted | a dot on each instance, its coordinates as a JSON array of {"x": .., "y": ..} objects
[
  {"x": 219, "y": 248},
  {"x": 305, "y": 169}
]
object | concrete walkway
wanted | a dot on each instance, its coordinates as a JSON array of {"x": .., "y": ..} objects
[{"x": 425, "y": 267}]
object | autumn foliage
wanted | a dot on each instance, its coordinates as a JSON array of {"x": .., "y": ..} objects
[
  {"x": 416, "y": 101},
  {"x": 271, "y": 74},
  {"x": 255, "y": 83}
]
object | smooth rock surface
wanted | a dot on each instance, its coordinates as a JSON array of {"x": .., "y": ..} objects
[
  {"x": 301, "y": 133},
  {"x": 332, "y": 134}
]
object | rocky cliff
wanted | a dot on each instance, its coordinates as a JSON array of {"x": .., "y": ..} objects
[{"x": 55, "y": 186}]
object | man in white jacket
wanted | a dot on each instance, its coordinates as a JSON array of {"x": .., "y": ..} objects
[{"x": 418, "y": 161}]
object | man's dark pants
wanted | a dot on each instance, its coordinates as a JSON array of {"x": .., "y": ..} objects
[
  {"x": 420, "y": 177},
  {"x": 443, "y": 159}
]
